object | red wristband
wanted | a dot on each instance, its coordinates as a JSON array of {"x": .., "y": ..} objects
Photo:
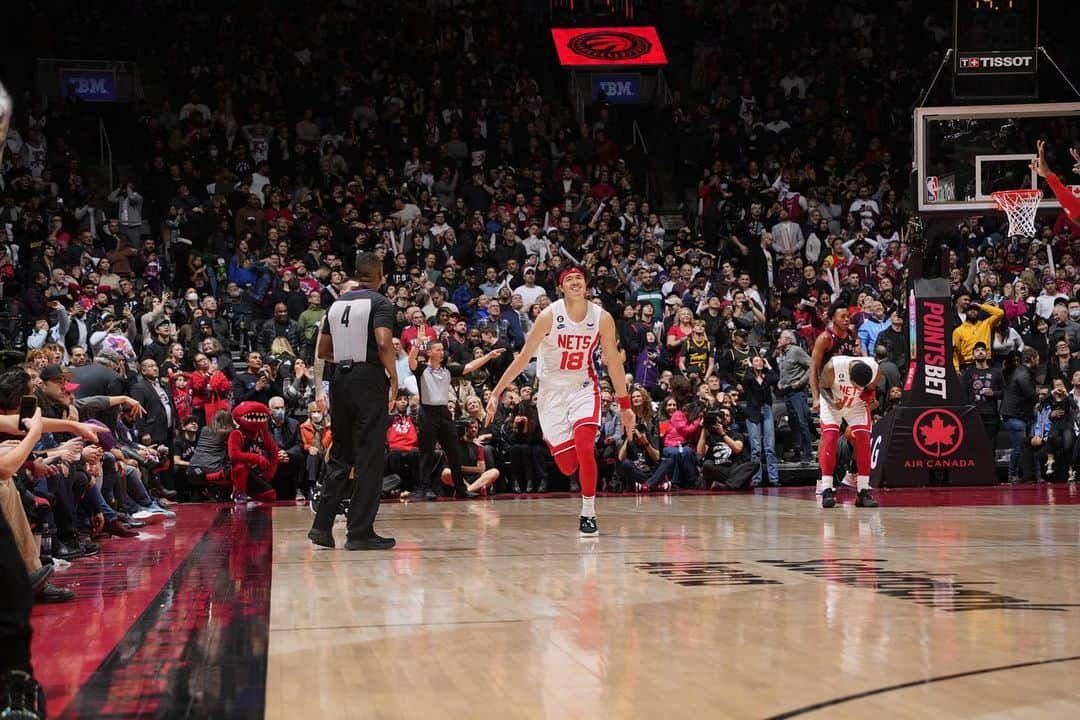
[{"x": 624, "y": 402}]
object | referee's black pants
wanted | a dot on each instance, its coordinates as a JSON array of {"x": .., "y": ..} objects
[
  {"x": 16, "y": 598},
  {"x": 359, "y": 417},
  {"x": 437, "y": 425}
]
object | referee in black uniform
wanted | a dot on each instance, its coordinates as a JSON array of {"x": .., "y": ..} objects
[
  {"x": 357, "y": 336},
  {"x": 434, "y": 378}
]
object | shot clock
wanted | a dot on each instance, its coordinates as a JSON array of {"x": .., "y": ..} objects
[{"x": 996, "y": 37}]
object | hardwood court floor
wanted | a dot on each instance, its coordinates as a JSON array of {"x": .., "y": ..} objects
[{"x": 737, "y": 606}]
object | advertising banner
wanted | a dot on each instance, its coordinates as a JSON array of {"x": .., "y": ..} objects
[
  {"x": 934, "y": 428},
  {"x": 609, "y": 47},
  {"x": 90, "y": 85}
]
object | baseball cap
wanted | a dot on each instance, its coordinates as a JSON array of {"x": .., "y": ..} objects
[
  {"x": 55, "y": 372},
  {"x": 741, "y": 332},
  {"x": 978, "y": 345}
]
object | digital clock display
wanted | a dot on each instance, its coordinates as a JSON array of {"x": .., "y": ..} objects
[{"x": 996, "y": 25}]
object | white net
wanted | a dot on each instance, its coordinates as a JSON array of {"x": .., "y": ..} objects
[{"x": 1020, "y": 207}]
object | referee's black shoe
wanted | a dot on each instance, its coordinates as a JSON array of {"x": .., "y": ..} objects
[
  {"x": 323, "y": 538},
  {"x": 372, "y": 543}
]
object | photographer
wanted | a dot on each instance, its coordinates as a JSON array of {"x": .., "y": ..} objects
[{"x": 722, "y": 448}]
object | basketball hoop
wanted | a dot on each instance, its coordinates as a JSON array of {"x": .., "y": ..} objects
[{"x": 1020, "y": 206}]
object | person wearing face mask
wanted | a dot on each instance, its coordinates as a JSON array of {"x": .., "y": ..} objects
[
  {"x": 1063, "y": 326},
  {"x": 317, "y": 438},
  {"x": 291, "y": 463}
]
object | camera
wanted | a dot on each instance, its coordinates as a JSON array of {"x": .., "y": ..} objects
[
  {"x": 711, "y": 418},
  {"x": 641, "y": 429}
]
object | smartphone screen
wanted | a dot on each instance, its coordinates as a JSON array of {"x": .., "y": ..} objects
[{"x": 27, "y": 408}]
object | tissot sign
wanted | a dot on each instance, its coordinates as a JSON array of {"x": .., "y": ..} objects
[
  {"x": 609, "y": 47},
  {"x": 934, "y": 428},
  {"x": 995, "y": 63}
]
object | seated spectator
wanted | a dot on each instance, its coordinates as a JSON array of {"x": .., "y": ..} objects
[{"x": 317, "y": 438}]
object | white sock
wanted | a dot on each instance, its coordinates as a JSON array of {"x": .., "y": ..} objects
[
  {"x": 863, "y": 482},
  {"x": 587, "y": 509},
  {"x": 825, "y": 483}
]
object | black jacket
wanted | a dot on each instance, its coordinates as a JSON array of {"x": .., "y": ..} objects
[
  {"x": 758, "y": 395},
  {"x": 156, "y": 420},
  {"x": 1019, "y": 400},
  {"x": 272, "y": 329},
  {"x": 287, "y": 437}
]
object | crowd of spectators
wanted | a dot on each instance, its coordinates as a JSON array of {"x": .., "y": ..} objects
[{"x": 287, "y": 147}]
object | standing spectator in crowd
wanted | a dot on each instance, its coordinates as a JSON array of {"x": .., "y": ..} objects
[
  {"x": 1017, "y": 407},
  {"x": 760, "y": 426},
  {"x": 794, "y": 371},
  {"x": 973, "y": 331},
  {"x": 984, "y": 386}
]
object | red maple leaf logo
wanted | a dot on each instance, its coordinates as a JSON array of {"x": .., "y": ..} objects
[{"x": 938, "y": 433}]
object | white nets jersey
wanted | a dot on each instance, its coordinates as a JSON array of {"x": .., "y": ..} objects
[
  {"x": 566, "y": 355},
  {"x": 843, "y": 389}
]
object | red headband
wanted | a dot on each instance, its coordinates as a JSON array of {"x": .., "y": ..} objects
[{"x": 571, "y": 271}]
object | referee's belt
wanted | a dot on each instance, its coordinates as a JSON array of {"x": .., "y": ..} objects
[{"x": 347, "y": 365}]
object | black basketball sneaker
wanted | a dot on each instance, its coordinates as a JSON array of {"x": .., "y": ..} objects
[
  {"x": 865, "y": 499},
  {"x": 828, "y": 498},
  {"x": 588, "y": 527}
]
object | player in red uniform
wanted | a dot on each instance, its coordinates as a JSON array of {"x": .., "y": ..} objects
[
  {"x": 563, "y": 339},
  {"x": 1069, "y": 203},
  {"x": 838, "y": 339}
]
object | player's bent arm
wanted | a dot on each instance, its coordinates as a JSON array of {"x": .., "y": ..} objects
[
  {"x": 816, "y": 361},
  {"x": 325, "y": 350},
  {"x": 537, "y": 333},
  {"x": 826, "y": 382},
  {"x": 384, "y": 341},
  {"x": 610, "y": 346}
]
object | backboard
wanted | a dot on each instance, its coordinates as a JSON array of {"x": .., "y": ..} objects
[{"x": 964, "y": 153}]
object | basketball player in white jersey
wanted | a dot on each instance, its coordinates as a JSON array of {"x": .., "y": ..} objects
[
  {"x": 564, "y": 339},
  {"x": 848, "y": 393}
]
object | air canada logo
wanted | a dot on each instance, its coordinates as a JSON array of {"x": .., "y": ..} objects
[
  {"x": 938, "y": 432},
  {"x": 610, "y": 45}
]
